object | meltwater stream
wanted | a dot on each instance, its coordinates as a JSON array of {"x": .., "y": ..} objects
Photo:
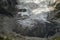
[{"x": 35, "y": 17}]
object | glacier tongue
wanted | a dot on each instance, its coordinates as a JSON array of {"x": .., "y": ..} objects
[{"x": 36, "y": 10}]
